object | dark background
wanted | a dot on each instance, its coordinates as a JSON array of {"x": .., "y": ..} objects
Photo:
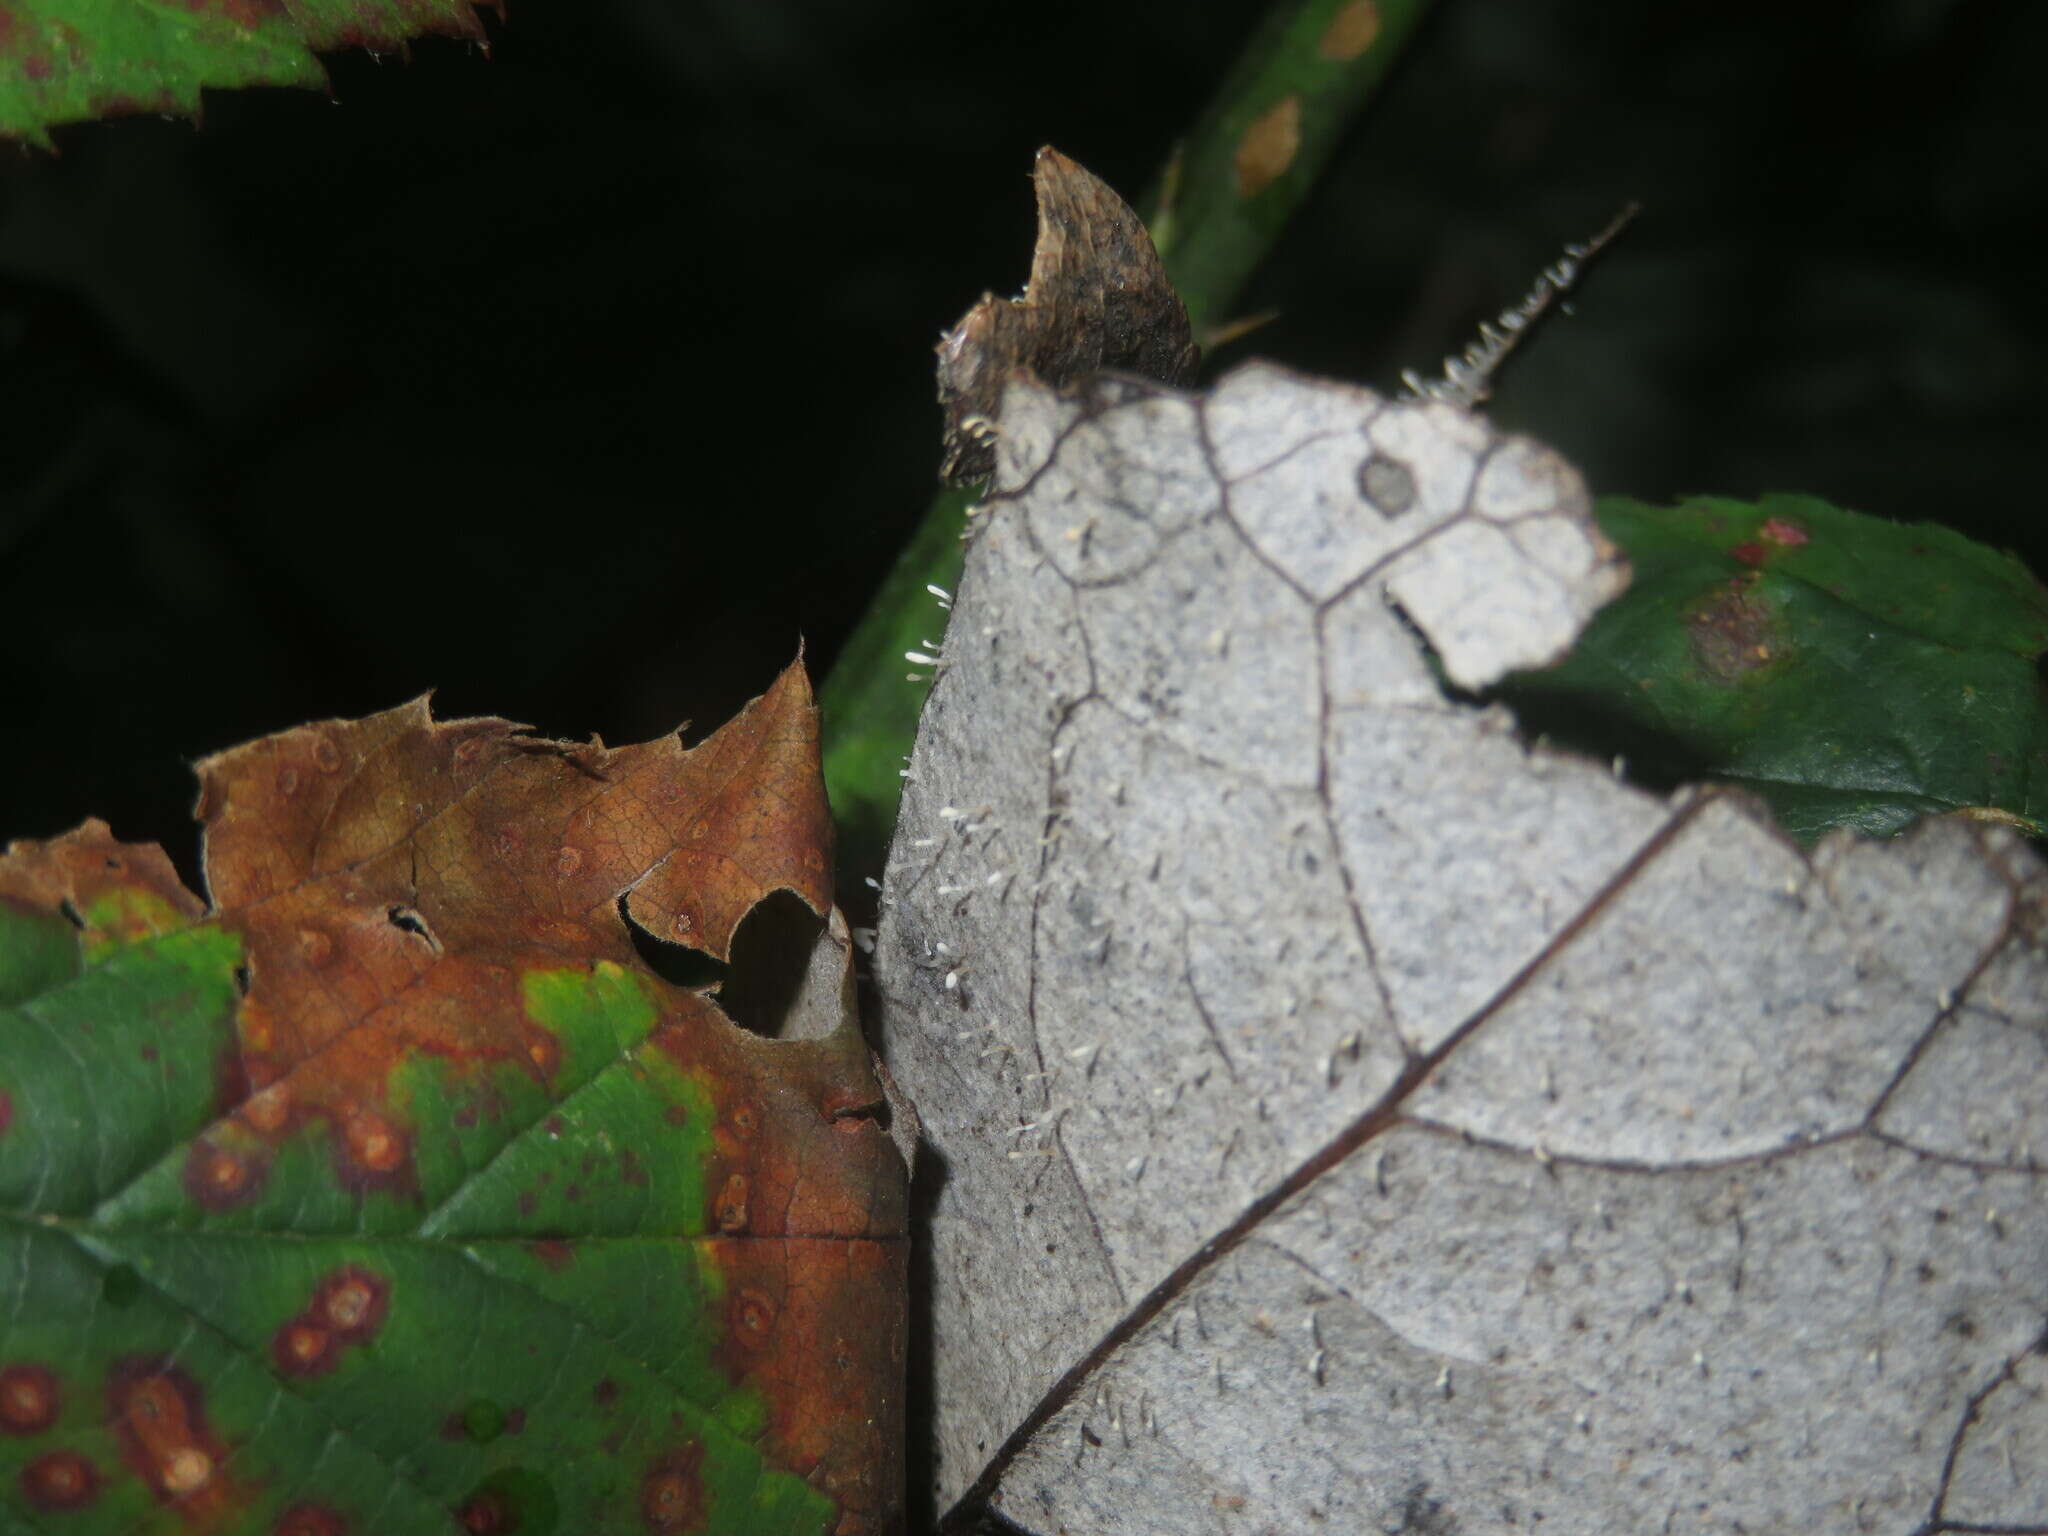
[{"x": 579, "y": 380}]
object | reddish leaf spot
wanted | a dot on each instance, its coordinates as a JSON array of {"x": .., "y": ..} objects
[
  {"x": 554, "y": 1127},
  {"x": 672, "y": 1493},
  {"x": 270, "y": 1111},
  {"x": 487, "y": 1514},
  {"x": 287, "y": 781},
  {"x": 1749, "y": 554},
  {"x": 568, "y": 861},
  {"x": 60, "y": 1480},
  {"x": 156, "y": 1409},
  {"x": 29, "y": 1399},
  {"x": 753, "y": 1318},
  {"x": 676, "y": 1114},
  {"x": 327, "y": 756},
  {"x": 731, "y": 1208},
  {"x": 310, "y": 1520},
  {"x": 301, "y": 1348},
  {"x": 149, "y": 1053},
  {"x": 6, "y": 1112},
  {"x": 606, "y": 1392},
  {"x": 746, "y": 1119},
  {"x": 1789, "y": 534},
  {"x": 553, "y": 1252},
  {"x": 373, "y": 1152},
  {"x": 219, "y": 1179},
  {"x": 315, "y": 947},
  {"x": 352, "y": 1301},
  {"x": 630, "y": 1168}
]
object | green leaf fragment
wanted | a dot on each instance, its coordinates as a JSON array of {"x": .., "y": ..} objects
[
  {"x": 64, "y": 61},
  {"x": 1853, "y": 672}
]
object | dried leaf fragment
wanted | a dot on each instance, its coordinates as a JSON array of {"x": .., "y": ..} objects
[{"x": 1098, "y": 299}]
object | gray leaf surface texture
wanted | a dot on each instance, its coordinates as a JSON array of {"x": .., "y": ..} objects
[{"x": 1346, "y": 1116}]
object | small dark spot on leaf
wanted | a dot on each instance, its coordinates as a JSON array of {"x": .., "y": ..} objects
[
  {"x": 553, "y": 1252},
  {"x": 1387, "y": 484},
  {"x": 605, "y": 1393},
  {"x": 1090, "y": 1436},
  {"x": 120, "y": 1286}
]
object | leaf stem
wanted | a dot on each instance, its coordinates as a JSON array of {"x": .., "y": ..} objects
[{"x": 1220, "y": 203}]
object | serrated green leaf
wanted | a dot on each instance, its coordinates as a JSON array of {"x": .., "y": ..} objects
[
  {"x": 64, "y": 61},
  {"x": 1854, "y": 672}
]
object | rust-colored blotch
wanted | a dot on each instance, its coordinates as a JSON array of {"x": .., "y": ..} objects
[
  {"x": 269, "y": 1110},
  {"x": 1350, "y": 32},
  {"x": 352, "y": 1301},
  {"x": 29, "y": 1399},
  {"x": 1268, "y": 146},
  {"x": 60, "y": 1480},
  {"x": 753, "y": 1316},
  {"x": 163, "y": 1431},
  {"x": 301, "y": 1348},
  {"x": 219, "y": 1179},
  {"x": 374, "y": 1143},
  {"x": 672, "y": 1493},
  {"x": 731, "y": 1208}
]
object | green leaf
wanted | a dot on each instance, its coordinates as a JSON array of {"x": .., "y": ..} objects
[
  {"x": 394, "y": 1193},
  {"x": 64, "y": 61},
  {"x": 1853, "y": 672}
]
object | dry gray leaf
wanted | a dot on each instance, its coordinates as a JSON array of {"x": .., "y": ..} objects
[{"x": 1350, "y": 1118}]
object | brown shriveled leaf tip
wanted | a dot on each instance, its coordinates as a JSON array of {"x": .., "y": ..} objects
[
  {"x": 487, "y": 835},
  {"x": 1098, "y": 298}
]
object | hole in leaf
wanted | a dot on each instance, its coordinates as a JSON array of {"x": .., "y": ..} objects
[
  {"x": 677, "y": 964},
  {"x": 71, "y": 913},
  {"x": 771, "y": 957},
  {"x": 411, "y": 922},
  {"x": 243, "y": 979}
]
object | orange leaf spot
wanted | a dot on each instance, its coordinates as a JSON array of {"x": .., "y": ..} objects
[
  {"x": 1268, "y": 147},
  {"x": 1350, "y": 32}
]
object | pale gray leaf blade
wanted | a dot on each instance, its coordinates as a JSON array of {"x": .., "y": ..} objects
[{"x": 1352, "y": 1117}]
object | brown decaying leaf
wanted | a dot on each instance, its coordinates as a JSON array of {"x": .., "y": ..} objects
[{"x": 1098, "y": 299}]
